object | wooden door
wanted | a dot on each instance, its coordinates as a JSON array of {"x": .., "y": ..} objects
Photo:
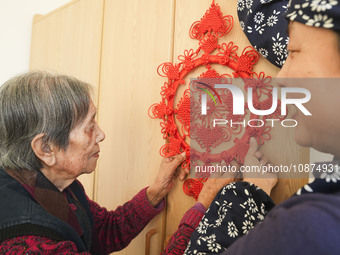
[
  {"x": 117, "y": 46},
  {"x": 137, "y": 38},
  {"x": 280, "y": 149},
  {"x": 68, "y": 40}
]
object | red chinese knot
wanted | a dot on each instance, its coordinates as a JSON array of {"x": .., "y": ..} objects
[{"x": 207, "y": 31}]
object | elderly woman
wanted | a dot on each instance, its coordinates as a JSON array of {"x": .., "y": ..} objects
[
  {"x": 48, "y": 137},
  {"x": 308, "y": 222}
]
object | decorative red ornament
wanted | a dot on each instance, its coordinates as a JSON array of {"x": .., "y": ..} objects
[{"x": 207, "y": 31}]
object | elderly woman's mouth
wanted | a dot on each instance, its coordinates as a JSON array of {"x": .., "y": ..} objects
[{"x": 96, "y": 155}]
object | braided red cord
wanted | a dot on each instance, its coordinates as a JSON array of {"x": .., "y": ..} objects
[{"x": 208, "y": 30}]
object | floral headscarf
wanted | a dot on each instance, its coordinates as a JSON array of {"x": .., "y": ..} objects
[
  {"x": 265, "y": 22},
  {"x": 316, "y": 13},
  {"x": 266, "y": 28}
]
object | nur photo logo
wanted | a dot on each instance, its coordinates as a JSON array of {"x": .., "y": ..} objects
[{"x": 239, "y": 106}]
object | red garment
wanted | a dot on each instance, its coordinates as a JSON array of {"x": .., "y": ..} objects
[
  {"x": 116, "y": 230},
  {"x": 179, "y": 240}
]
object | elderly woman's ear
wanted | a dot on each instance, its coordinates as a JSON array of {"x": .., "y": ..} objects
[{"x": 45, "y": 151}]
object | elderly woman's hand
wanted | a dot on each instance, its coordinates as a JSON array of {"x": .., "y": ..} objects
[
  {"x": 165, "y": 179},
  {"x": 213, "y": 185}
]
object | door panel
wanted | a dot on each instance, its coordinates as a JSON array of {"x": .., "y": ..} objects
[
  {"x": 137, "y": 38},
  {"x": 68, "y": 41}
]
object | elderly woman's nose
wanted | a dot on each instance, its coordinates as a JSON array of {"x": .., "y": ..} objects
[{"x": 100, "y": 135}]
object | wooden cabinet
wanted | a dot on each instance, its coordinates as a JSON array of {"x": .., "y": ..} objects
[
  {"x": 68, "y": 40},
  {"x": 137, "y": 38},
  {"x": 117, "y": 46}
]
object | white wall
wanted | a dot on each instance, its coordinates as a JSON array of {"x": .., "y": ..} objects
[{"x": 15, "y": 33}]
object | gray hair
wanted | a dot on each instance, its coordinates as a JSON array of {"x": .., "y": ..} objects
[{"x": 34, "y": 103}]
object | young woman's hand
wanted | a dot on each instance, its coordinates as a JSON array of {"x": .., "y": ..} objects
[
  {"x": 255, "y": 158},
  {"x": 213, "y": 185}
]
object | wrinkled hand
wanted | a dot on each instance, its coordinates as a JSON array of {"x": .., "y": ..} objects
[
  {"x": 165, "y": 178},
  {"x": 255, "y": 158},
  {"x": 213, "y": 185}
]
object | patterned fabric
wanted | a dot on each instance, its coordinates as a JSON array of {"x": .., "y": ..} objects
[
  {"x": 316, "y": 13},
  {"x": 47, "y": 195},
  {"x": 315, "y": 207},
  {"x": 263, "y": 23},
  {"x": 38, "y": 245},
  {"x": 30, "y": 205},
  {"x": 116, "y": 228},
  {"x": 311, "y": 216},
  {"x": 237, "y": 208},
  {"x": 306, "y": 224},
  {"x": 41, "y": 245},
  {"x": 326, "y": 179}
]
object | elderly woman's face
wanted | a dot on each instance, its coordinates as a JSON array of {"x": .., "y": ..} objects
[
  {"x": 314, "y": 53},
  {"x": 82, "y": 152}
]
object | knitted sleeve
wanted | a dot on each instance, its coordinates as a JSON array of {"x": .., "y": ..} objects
[
  {"x": 179, "y": 240},
  {"x": 117, "y": 228}
]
